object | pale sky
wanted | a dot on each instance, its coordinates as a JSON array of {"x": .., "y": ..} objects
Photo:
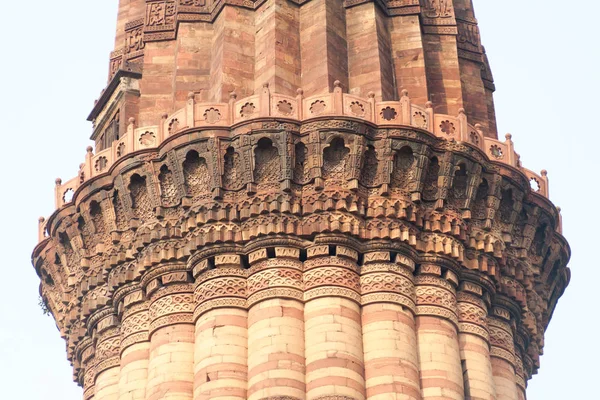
[{"x": 544, "y": 55}]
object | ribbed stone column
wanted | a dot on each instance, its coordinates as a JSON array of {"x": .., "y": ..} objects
[
  {"x": 388, "y": 325},
  {"x": 221, "y": 351},
  {"x": 503, "y": 354},
  {"x": 107, "y": 356},
  {"x": 135, "y": 347},
  {"x": 170, "y": 370},
  {"x": 520, "y": 373},
  {"x": 88, "y": 363},
  {"x": 333, "y": 334},
  {"x": 437, "y": 336},
  {"x": 276, "y": 364},
  {"x": 474, "y": 339}
]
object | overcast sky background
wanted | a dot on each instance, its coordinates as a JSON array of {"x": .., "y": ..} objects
[{"x": 54, "y": 63}]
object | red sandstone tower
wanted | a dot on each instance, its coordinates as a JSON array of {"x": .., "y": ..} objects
[{"x": 301, "y": 200}]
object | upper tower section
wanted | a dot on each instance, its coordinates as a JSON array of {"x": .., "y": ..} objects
[{"x": 430, "y": 48}]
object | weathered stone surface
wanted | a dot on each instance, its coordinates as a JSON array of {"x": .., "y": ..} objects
[{"x": 268, "y": 213}]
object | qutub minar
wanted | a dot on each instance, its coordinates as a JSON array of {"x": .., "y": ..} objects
[{"x": 301, "y": 200}]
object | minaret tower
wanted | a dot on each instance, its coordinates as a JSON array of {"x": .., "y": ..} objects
[{"x": 301, "y": 200}]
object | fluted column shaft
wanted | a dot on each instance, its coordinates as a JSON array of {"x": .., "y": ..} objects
[
  {"x": 88, "y": 370},
  {"x": 388, "y": 325},
  {"x": 170, "y": 369},
  {"x": 221, "y": 330},
  {"x": 437, "y": 335},
  {"x": 276, "y": 364},
  {"x": 333, "y": 334},
  {"x": 503, "y": 355},
  {"x": 135, "y": 347},
  {"x": 107, "y": 359},
  {"x": 520, "y": 375},
  {"x": 473, "y": 340}
]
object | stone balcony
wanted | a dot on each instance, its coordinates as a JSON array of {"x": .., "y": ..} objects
[{"x": 197, "y": 116}]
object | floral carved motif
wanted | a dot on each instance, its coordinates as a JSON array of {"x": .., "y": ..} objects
[
  {"x": 357, "y": 109},
  {"x": 285, "y": 108},
  {"x": 148, "y": 139},
  {"x": 212, "y": 115},
  {"x": 388, "y": 113},
  {"x": 101, "y": 164},
  {"x": 318, "y": 107},
  {"x": 447, "y": 127},
  {"x": 419, "y": 120},
  {"x": 247, "y": 110}
]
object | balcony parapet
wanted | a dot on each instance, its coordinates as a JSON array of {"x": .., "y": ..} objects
[{"x": 392, "y": 114}]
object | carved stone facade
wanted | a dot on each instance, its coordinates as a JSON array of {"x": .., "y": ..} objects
[{"x": 319, "y": 245}]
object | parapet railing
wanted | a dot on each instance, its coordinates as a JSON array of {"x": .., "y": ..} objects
[{"x": 266, "y": 104}]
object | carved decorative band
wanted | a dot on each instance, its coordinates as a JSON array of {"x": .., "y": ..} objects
[
  {"x": 501, "y": 335},
  {"x": 88, "y": 353},
  {"x": 463, "y": 297},
  {"x": 107, "y": 324},
  {"x": 521, "y": 383},
  {"x": 498, "y": 323},
  {"x": 387, "y": 267},
  {"x": 134, "y": 24},
  {"x": 465, "y": 327},
  {"x": 135, "y": 323},
  {"x": 389, "y": 298},
  {"x": 162, "y": 270},
  {"x": 82, "y": 347},
  {"x": 331, "y": 291},
  {"x": 434, "y": 281},
  {"x": 120, "y": 293},
  {"x": 108, "y": 347},
  {"x": 134, "y": 309},
  {"x": 289, "y": 293},
  {"x": 404, "y": 10},
  {"x": 172, "y": 304},
  {"x": 139, "y": 337},
  {"x": 275, "y": 263},
  {"x": 331, "y": 261},
  {"x": 88, "y": 393},
  {"x": 181, "y": 288},
  {"x": 332, "y": 276},
  {"x": 470, "y": 313},
  {"x": 387, "y": 282},
  {"x": 97, "y": 316},
  {"x": 468, "y": 55},
  {"x": 274, "y": 277},
  {"x": 226, "y": 302},
  {"x": 438, "y": 312},
  {"x": 107, "y": 364},
  {"x": 503, "y": 354},
  {"x": 220, "y": 287},
  {"x": 89, "y": 378},
  {"x": 334, "y": 397},
  {"x": 167, "y": 320},
  {"x": 440, "y": 30},
  {"x": 280, "y": 398},
  {"x": 435, "y": 296},
  {"x": 219, "y": 273}
]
